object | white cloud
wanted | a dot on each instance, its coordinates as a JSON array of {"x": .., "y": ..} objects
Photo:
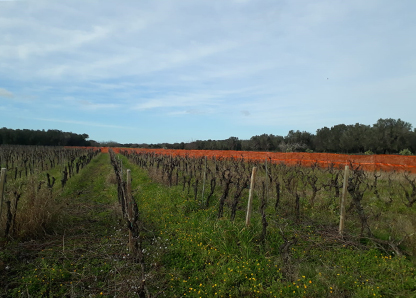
[
  {"x": 254, "y": 62},
  {"x": 88, "y": 105},
  {"x": 191, "y": 112},
  {"x": 84, "y": 123},
  {"x": 6, "y": 93},
  {"x": 180, "y": 101}
]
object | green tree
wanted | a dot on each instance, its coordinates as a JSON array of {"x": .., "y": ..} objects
[{"x": 391, "y": 136}]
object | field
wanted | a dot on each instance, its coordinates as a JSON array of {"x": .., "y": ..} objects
[
  {"x": 178, "y": 229},
  {"x": 367, "y": 162}
]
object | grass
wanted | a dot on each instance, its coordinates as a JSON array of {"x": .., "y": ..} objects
[
  {"x": 38, "y": 205},
  {"x": 210, "y": 257},
  {"x": 85, "y": 251},
  {"x": 189, "y": 252}
]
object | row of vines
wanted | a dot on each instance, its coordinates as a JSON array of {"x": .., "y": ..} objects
[
  {"x": 130, "y": 213},
  {"x": 380, "y": 205},
  {"x": 31, "y": 173},
  {"x": 369, "y": 163}
]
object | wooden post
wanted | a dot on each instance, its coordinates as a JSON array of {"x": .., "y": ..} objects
[
  {"x": 215, "y": 169},
  {"x": 267, "y": 182},
  {"x": 203, "y": 184},
  {"x": 128, "y": 194},
  {"x": 129, "y": 205},
  {"x": 250, "y": 196},
  {"x": 2, "y": 184},
  {"x": 62, "y": 160},
  {"x": 121, "y": 167},
  {"x": 343, "y": 199}
]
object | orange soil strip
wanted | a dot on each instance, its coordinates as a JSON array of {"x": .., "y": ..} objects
[{"x": 368, "y": 162}]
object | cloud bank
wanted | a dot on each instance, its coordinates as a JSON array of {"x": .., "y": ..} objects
[{"x": 207, "y": 69}]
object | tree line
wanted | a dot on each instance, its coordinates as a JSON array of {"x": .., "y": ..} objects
[
  {"x": 386, "y": 136},
  {"x": 51, "y": 137}
]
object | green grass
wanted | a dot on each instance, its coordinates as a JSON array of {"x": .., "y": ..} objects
[
  {"x": 210, "y": 257},
  {"x": 38, "y": 206},
  {"x": 188, "y": 252},
  {"x": 85, "y": 251}
]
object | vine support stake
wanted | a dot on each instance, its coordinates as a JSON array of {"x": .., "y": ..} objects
[
  {"x": 203, "y": 184},
  {"x": 2, "y": 184},
  {"x": 250, "y": 196},
  {"x": 267, "y": 181},
  {"x": 343, "y": 199},
  {"x": 129, "y": 209}
]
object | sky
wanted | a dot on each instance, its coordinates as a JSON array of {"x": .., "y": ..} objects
[{"x": 183, "y": 70}]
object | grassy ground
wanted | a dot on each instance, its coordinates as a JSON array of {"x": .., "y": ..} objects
[
  {"x": 203, "y": 256},
  {"x": 189, "y": 252},
  {"x": 36, "y": 203},
  {"x": 84, "y": 252}
]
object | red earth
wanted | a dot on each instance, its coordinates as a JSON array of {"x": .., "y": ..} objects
[{"x": 368, "y": 162}]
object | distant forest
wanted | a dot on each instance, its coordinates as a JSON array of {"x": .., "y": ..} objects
[
  {"x": 387, "y": 136},
  {"x": 51, "y": 137}
]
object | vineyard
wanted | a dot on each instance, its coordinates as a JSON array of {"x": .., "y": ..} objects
[
  {"x": 386, "y": 163},
  {"x": 172, "y": 223},
  {"x": 31, "y": 175},
  {"x": 297, "y": 192}
]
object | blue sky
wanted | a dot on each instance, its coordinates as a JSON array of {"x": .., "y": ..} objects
[{"x": 181, "y": 70}]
